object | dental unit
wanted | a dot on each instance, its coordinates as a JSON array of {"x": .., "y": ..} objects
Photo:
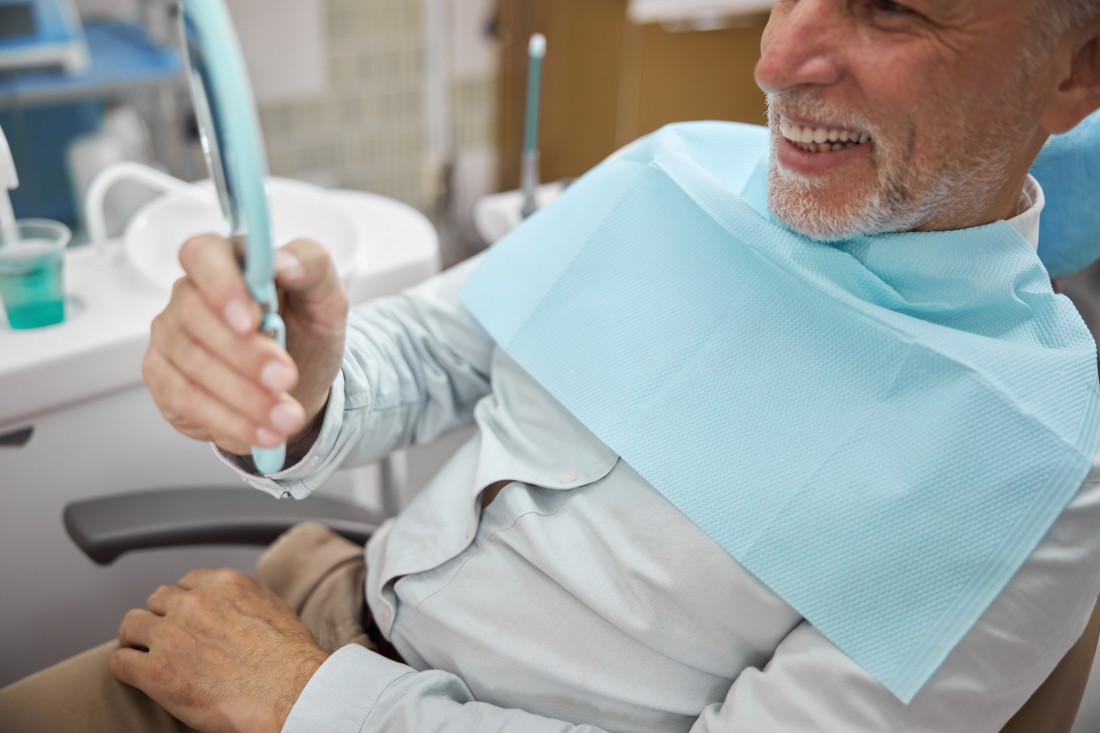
[
  {"x": 9, "y": 180},
  {"x": 536, "y": 52}
]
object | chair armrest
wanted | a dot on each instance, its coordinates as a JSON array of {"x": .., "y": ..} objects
[{"x": 108, "y": 526}]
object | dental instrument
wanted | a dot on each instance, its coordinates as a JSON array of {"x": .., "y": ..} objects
[
  {"x": 9, "y": 180},
  {"x": 536, "y": 52},
  {"x": 231, "y": 139}
]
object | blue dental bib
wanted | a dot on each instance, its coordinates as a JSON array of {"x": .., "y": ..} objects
[{"x": 881, "y": 430}]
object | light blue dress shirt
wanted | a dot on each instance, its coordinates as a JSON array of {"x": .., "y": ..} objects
[{"x": 581, "y": 600}]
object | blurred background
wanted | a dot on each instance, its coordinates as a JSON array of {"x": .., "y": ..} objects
[{"x": 418, "y": 100}]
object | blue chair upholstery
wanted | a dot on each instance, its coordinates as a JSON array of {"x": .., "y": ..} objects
[{"x": 1068, "y": 169}]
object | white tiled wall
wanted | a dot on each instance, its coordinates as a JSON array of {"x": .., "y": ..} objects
[{"x": 368, "y": 130}]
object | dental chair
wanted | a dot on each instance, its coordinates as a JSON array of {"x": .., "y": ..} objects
[{"x": 106, "y": 527}]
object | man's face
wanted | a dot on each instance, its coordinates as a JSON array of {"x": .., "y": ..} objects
[{"x": 923, "y": 114}]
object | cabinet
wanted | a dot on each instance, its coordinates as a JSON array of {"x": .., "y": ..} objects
[{"x": 608, "y": 81}]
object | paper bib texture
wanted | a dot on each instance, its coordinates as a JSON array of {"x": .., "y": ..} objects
[{"x": 880, "y": 430}]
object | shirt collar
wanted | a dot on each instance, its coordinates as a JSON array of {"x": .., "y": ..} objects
[{"x": 1026, "y": 221}]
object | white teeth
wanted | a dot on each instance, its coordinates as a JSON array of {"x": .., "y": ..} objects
[{"x": 821, "y": 139}]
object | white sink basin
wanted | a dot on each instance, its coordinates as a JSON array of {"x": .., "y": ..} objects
[
  {"x": 153, "y": 237},
  {"x": 97, "y": 350}
]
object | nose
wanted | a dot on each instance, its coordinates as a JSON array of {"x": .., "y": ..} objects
[{"x": 801, "y": 45}]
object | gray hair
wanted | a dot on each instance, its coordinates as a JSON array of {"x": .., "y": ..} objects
[
  {"x": 1054, "y": 17},
  {"x": 1069, "y": 13}
]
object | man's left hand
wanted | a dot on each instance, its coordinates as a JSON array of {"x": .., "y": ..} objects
[{"x": 219, "y": 651}]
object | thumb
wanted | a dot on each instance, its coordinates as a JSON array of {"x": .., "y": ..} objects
[{"x": 305, "y": 269}]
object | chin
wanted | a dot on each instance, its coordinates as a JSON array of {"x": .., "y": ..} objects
[
  {"x": 804, "y": 216},
  {"x": 800, "y": 210}
]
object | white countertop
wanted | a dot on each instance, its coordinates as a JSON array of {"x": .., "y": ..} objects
[{"x": 99, "y": 347}]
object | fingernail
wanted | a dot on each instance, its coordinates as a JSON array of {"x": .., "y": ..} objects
[
  {"x": 277, "y": 376},
  {"x": 285, "y": 417},
  {"x": 238, "y": 317},
  {"x": 288, "y": 265},
  {"x": 265, "y": 438}
]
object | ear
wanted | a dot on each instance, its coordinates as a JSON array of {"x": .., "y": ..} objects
[{"x": 1078, "y": 94}]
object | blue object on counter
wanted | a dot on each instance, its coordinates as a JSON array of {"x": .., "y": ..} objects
[
  {"x": 41, "y": 33},
  {"x": 39, "y": 137},
  {"x": 122, "y": 56},
  {"x": 44, "y": 110}
]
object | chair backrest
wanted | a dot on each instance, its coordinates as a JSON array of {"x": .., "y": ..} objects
[
  {"x": 1053, "y": 707},
  {"x": 1068, "y": 169}
]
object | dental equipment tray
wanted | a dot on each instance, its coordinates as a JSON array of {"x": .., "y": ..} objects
[{"x": 122, "y": 56}]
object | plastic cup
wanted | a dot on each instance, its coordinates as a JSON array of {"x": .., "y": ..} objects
[{"x": 31, "y": 286}]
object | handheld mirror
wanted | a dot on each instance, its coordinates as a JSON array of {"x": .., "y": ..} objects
[{"x": 230, "y": 135}]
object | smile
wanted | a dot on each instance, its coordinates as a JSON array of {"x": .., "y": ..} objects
[{"x": 821, "y": 139}]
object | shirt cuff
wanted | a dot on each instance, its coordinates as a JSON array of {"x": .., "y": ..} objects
[
  {"x": 297, "y": 481},
  {"x": 343, "y": 691}
]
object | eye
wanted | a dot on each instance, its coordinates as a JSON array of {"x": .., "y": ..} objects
[
  {"x": 889, "y": 8},
  {"x": 888, "y": 14}
]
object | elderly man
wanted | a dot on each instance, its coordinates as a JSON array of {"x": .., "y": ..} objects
[{"x": 545, "y": 580}]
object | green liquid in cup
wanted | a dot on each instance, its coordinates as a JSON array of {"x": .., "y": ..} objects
[{"x": 31, "y": 287}]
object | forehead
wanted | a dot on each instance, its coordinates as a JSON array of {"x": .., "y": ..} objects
[{"x": 986, "y": 8}]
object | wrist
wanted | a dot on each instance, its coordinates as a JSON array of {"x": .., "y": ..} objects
[
  {"x": 298, "y": 445},
  {"x": 295, "y": 683}
]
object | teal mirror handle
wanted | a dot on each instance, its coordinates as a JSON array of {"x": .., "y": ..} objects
[{"x": 270, "y": 460}]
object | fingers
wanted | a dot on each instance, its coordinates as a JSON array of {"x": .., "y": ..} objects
[
  {"x": 203, "y": 576},
  {"x": 304, "y": 265},
  {"x": 254, "y": 355},
  {"x": 164, "y": 599},
  {"x": 211, "y": 264},
  {"x": 136, "y": 629},
  {"x": 129, "y": 666},
  {"x": 185, "y": 404},
  {"x": 209, "y": 371},
  {"x": 247, "y": 378},
  {"x": 310, "y": 285}
]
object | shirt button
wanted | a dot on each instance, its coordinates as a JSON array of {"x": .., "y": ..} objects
[{"x": 568, "y": 477}]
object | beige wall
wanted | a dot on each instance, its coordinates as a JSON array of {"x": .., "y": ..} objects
[{"x": 608, "y": 81}]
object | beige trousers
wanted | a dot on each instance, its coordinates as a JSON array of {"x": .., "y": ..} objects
[{"x": 319, "y": 574}]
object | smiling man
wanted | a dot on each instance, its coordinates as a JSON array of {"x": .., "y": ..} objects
[
  {"x": 939, "y": 108},
  {"x": 777, "y": 431}
]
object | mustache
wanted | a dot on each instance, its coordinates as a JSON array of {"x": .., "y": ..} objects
[{"x": 807, "y": 104}]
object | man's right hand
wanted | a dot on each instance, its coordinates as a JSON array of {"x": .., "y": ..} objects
[{"x": 215, "y": 378}]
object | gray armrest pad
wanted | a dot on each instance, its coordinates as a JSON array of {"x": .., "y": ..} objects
[{"x": 106, "y": 527}]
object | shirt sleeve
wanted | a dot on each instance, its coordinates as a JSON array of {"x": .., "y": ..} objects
[
  {"x": 810, "y": 685},
  {"x": 357, "y": 690},
  {"x": 415, "y": 366}
]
